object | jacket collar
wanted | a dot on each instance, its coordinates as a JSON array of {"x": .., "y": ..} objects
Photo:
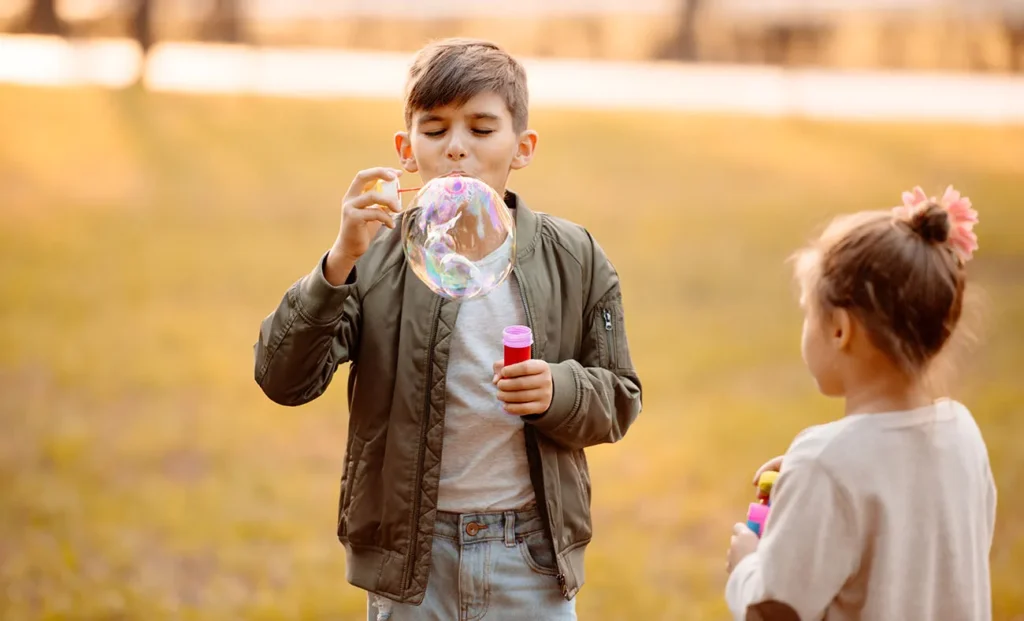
[{"x": 527, "y": 225}]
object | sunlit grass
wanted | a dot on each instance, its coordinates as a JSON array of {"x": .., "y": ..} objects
[{"x": 144, "y": 237}]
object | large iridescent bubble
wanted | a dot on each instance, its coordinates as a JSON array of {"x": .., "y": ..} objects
[{"x": 459, "y": 237}]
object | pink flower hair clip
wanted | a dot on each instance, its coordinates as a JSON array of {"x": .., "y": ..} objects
[{"x": 962, "y": 217}]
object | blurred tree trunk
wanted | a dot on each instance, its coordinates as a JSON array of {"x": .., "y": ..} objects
[
  {"x": 224, "y": 22},
  {"x": 42, "y": 18},
  {"x": 141, "y": 26},
  {"x": 683, "y": 44},
  {"x": 778, "y": 44},
  {"x": 594, "y": 30},
  {"x": 1015, "y": 43},
  {"x": 141, "y": 29}
]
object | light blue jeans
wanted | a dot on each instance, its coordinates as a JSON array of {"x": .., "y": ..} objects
[{"x": 486, "y": 567}]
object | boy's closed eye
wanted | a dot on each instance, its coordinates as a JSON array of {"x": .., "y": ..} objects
[{"x": 437, "y": 133}]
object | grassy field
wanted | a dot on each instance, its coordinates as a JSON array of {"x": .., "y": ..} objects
[{"x": 143, "y": 475}]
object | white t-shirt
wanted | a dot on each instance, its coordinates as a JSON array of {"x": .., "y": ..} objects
[
  {"x": 887, "y": 517},
  {"x": 483, "y": 459}
]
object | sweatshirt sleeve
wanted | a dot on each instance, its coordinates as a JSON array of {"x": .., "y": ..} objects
[{"x": 808, "y": 551}]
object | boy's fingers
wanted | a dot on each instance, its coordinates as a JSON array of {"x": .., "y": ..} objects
[
  {"x": 364, "y": 178},
  {"x": 518, "y": 384},
  {"x": 368, "y": 215},
  {"x": 740, "y": 528},
  {"x": 520, "y": 396},
  {"x": 523, "y": 409},
  {"x": 371, "y": 199},
  {"x": 520, "y": 369}
]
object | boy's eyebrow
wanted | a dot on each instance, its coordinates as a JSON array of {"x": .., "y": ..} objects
[{"x": 429, "y": 117}]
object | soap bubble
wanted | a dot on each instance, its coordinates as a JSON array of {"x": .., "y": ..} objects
[{"x": 459, "y": 237}]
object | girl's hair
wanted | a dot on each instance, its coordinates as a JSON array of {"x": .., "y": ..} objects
[{"x": 899, "y": 272}]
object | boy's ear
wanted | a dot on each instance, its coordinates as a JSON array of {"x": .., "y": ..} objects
[
  {"x": 527, "y": 146},
  {"x": 404, "y": 148}
]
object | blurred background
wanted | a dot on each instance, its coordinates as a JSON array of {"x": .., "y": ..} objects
[{"x": 169, "y": 168}]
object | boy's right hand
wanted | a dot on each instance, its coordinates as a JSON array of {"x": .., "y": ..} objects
[
  {"x": 362, "y": 214},
  {"x": 774, "y": 464}
]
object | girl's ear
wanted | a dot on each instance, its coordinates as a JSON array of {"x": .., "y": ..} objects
[{"x": 841, "y": 329}]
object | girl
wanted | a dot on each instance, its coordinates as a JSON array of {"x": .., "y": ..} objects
[{"x": 887, "y": 513}]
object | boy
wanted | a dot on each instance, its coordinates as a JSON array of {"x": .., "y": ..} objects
[{"x": 465, "y": 492}]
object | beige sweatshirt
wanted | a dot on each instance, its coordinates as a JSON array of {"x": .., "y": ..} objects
[{"x": 887, "y": 517}]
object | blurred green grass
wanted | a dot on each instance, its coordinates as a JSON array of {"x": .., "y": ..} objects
[{"x": 143, "y": 238}]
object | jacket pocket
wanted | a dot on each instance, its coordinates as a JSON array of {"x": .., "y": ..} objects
[
  {"x": 355, "y": 453},
  {"x": 575, "y": 500},
  {"x": 579, "y": 459},
  {"x": 612, "y": 345}
]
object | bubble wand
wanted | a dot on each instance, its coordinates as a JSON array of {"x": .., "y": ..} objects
[{"x": 391, "y": 189}]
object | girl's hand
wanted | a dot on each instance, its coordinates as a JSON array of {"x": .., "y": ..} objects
[
  {"x": 743, "y": 544},
  {"x": 772, "y": 465}
]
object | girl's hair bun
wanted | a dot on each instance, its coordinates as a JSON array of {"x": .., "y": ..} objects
[{"x": 931, "y": 223}]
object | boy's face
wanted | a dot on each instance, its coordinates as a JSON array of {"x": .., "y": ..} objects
[{"x": 476, "y": 139}]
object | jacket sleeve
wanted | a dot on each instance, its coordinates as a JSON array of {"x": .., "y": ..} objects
[
  {"x": 809, "y": 549},
  {"x": 314, "y": 329},
  {"x": 597, "y": 396}
]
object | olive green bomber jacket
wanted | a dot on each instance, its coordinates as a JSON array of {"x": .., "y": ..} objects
[{"x": 395, "y": 333}]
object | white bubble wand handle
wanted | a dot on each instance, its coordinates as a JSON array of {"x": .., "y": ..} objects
[{"x": 391, "y": 189}]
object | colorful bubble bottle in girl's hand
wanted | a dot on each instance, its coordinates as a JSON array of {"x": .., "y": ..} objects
[
  {"x": 517, "y": 341},
  {"x": 757, "y": 514}
]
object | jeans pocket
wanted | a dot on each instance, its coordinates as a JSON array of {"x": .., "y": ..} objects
[{"x": 538, "y": 553}]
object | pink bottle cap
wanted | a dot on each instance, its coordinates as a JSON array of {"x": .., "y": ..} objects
[
  {"x": 757, "y": 513},
  {"x": 517, "y": 336}
]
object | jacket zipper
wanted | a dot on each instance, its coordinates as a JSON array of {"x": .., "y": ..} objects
[
  {"x": 542, "y": 498},
  {"x": 411, "y": 559},
  {"x": 526, "y": 307},
  {"x": 609, "y": 334}
]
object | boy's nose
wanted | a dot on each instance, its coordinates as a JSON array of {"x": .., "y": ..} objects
[{"x": 455, "y": 152}]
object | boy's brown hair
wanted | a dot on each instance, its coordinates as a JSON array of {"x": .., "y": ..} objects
[
  {"x": 453, "y": 71},
  {"x": 898, "y": 277}
]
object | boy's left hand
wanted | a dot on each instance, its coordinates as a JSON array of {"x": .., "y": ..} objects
[
  {"x": 743, "y": 544},
  {"x": 524, "y": 387}
]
